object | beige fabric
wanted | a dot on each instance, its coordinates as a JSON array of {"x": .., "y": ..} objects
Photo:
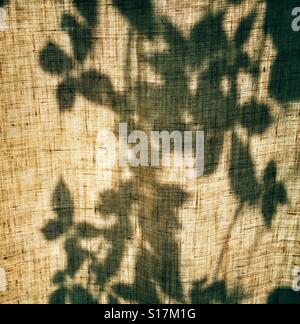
[{"x": 158, "y": 236}]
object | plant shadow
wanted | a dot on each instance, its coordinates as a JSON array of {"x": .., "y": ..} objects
[{"x": 162, "y": 106}]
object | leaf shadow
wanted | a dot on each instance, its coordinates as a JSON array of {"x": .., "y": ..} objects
[{"x": 161, "y": 106}]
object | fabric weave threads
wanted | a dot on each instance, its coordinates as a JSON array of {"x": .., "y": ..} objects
[{"x": 75, "y": 231}]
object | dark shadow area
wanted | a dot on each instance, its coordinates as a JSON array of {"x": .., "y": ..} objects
[
  {"x": 63, "y": 207},
  {"x": 162, "y": 107},
  {"x": 140, "y": 14},
  {"x": 284, "y": 296},
  {"x": 242, "y": 173},
  {"x": 215, "y": 293},
  {"x": 4, "y": 3},
  {"x": 111, "y": 203},
  {"x": 161, "y": 263},
  {"x": 81, "y": 37},
  {"x": 274, "y": 193},
  {"x": 54, "y": 60},
  {"x": 285, "y": 79},
  {"x": 89, "y": 10}
]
